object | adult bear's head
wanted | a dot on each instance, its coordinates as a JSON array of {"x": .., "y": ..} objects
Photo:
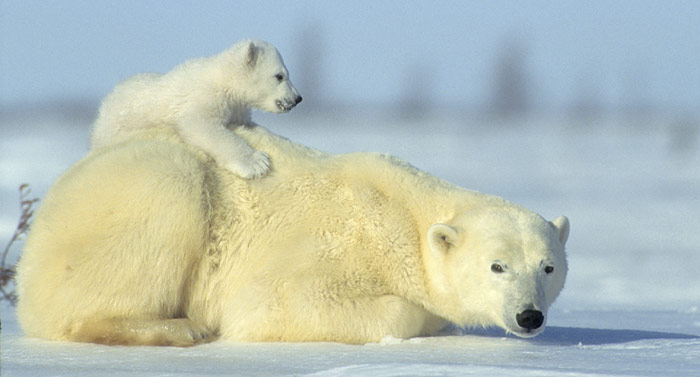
[{"x": 500, "y": 265}]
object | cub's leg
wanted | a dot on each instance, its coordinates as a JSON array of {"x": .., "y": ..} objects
[
  {"x": 179, "y": 332},
  {"x": 228, "y": 149}
]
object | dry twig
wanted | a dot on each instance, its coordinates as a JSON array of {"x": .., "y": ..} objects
[{"x": 7, "y": 273}]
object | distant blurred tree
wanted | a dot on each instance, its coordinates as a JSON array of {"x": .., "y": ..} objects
[
  {"x": 635, "y": 96},
  {"x": 683, "y": 141},
  {"x": 415, "y": 97},
  {"x": 586, "y": 103},
  {"x": 511, "y": 90},
  {"x": 308, "y": 75}
]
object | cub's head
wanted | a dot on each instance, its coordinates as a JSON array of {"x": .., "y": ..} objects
[
  {"x": 264, "y": 83},
  {"x": 500, "y": 266}
]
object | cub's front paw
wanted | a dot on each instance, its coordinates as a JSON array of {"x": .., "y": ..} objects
[{"x": 251, "y": 166}]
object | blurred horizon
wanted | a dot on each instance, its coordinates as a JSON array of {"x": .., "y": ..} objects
[{"x": 414, "y": 58}]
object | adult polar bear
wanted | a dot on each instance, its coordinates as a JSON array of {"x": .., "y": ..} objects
[{"x": 148, "y": 241}]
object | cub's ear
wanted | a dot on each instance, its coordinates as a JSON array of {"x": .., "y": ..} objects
[
  {"x": 442, "y": 238},
  {"x": 561, "y": 225},
  {"x": 252, "y": 55}
]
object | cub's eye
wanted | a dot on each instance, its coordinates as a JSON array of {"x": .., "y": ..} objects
[
  {"x": 279, "y": 77},
  {"x": 549, "y": 269},
  {"x": 497, "y": 268}
]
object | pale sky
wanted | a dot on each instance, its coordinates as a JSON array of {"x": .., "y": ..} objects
[{"x": 371, "y": 51}]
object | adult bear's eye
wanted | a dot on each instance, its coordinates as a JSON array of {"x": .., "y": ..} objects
[
  {"x": 279, "y": 77},
  {"x": 548, "y": 269},
  {"x": 497, "y": 268}
]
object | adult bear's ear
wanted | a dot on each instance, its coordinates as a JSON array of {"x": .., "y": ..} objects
[
  {"x": 442, "y": 238},
  {"x": 561, "y": 225},
  {"x": 252, "y": 55}
]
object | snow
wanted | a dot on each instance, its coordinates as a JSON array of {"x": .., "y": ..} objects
[
  {"x": 560, "y": 350},
  {"x": 631, "y": 305}
]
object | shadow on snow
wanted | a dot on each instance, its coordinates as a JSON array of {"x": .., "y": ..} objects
[{"x": 568, "y": 336}]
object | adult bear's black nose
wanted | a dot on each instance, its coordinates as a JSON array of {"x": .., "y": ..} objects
[
  {"x": 530, "y": 319},
  {"x": 298, "y": 99}
]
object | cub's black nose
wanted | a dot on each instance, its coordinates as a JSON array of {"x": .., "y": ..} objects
[
  {"x": 530, "y": 319},
  {"x": 298, "y": 99}
]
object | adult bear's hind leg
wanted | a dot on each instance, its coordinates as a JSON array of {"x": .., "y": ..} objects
[{"x": 178, "y": 332}]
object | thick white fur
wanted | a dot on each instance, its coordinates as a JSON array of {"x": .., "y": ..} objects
[
  {"x": 148, "y": 241},
  {"x": 203, "y": 99}
]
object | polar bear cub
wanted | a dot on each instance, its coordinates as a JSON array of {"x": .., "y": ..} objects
[{"x": 203, "y": 99}]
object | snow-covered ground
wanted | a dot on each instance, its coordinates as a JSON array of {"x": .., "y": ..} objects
[{"x": 631, "y": 305}]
